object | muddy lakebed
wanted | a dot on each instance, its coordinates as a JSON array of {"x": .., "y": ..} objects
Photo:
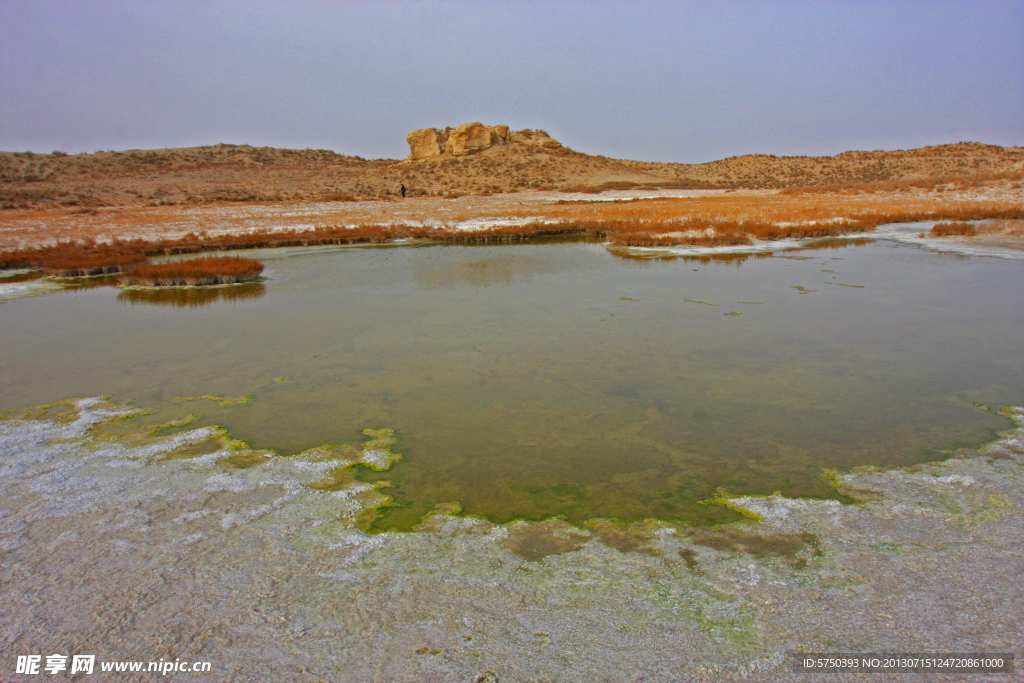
[{"x": 546, "y": 461}]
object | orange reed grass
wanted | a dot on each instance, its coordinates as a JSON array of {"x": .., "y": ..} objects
[
  {"x": 953, "y": 229},
  {"x": 211, "y": 270},
  {"x": 706, "y": 221},
  {"x": 81, "y": 265}
]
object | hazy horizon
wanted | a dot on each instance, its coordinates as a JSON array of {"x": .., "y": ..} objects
[
  {"x": 402, "y": 157},
  {"x": 653, "y": 81}
]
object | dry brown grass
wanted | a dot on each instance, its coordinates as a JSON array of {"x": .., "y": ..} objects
[
  {"x": 953, "y": 229},
  {"x": 613, "y": 185},
  {"x": 337, "y": 197},
  {"x": 84, "y": 264},
  {"x": 951, "y": 181},
  {"x": 1008, "y": 228},
  {"x": 706, "y": 221},
  {"x": 1011, "y": 228},
  {"x": 233, "y": 174},
  {"x": 70, "y": 255},
  {"x": 711, "y": 221},
  {"x": 211, "y": 270},
  {"x": 781, "y": 210}
]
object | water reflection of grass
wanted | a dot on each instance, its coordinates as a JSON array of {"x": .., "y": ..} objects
[
  {"x": 91, "y": 282},
  {"x": 735, "y": 258},
  {"x": 738, "y": 258},
  {"x": 833, "y": 243},
  {"x": 193, "y": 297}
]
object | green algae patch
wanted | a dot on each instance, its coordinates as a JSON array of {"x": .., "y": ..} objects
[
  {"x": 192, "y": 451},
  {"x": 223, "y": 400},
  {"x": 58, "y": 411},
  {"x": 724, "y": 499},
  {"x": 628, "y": 501},
  {"x": 403, "y": 516},
  {"x": 376, "y": 453},
  {"x": 734, "y": 313},
  {"x": 751, "y": 303},
  {"x": 116, "y": 427},
  {"x": 802, "y": 290},
  {"x": 244, "y": 460},
  {"x": 626, "y": 298},
  {"x": 343, "y": 465},
  {"x": 217, "y": 441},
  {"x": 996, "y": 506},
  {"x": 178, "y": 422},
  {"x": 695, "y": 301}
]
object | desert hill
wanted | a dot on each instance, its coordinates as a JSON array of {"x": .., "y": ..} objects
[{"x": 467, "y": 159}]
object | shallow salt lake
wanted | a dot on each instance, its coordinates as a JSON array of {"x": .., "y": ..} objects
[{"x": 538, "y": 380}]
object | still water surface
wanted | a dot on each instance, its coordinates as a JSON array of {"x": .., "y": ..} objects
[{"x": 537, "y": 380}]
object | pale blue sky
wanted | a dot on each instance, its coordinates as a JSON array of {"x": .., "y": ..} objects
[{"x": 658, "y": 81}]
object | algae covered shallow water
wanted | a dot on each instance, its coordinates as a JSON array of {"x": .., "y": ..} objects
[{"x": 538, "y": 380}]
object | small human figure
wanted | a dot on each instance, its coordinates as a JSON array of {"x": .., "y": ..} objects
[{"x": 403, "y": 191}]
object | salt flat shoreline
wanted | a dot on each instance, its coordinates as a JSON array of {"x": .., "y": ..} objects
[
  {"x": 114, "y": 545},
  {"x": 29, "y": 228}
]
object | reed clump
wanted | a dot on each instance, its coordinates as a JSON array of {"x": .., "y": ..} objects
[
  {"x": 71, "y": 258},
  {"x": 953, "y": 230},
  {"x": 84, "y": 265},
  {"x": 210, "y": 270}
]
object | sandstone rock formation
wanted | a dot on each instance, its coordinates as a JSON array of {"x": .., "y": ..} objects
[
  {"x": 425, "y": 143},
  {"x": 503, "y": 133},
  {"x": 470, "y": 138},
  {"x": 537, "y": 138}
]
